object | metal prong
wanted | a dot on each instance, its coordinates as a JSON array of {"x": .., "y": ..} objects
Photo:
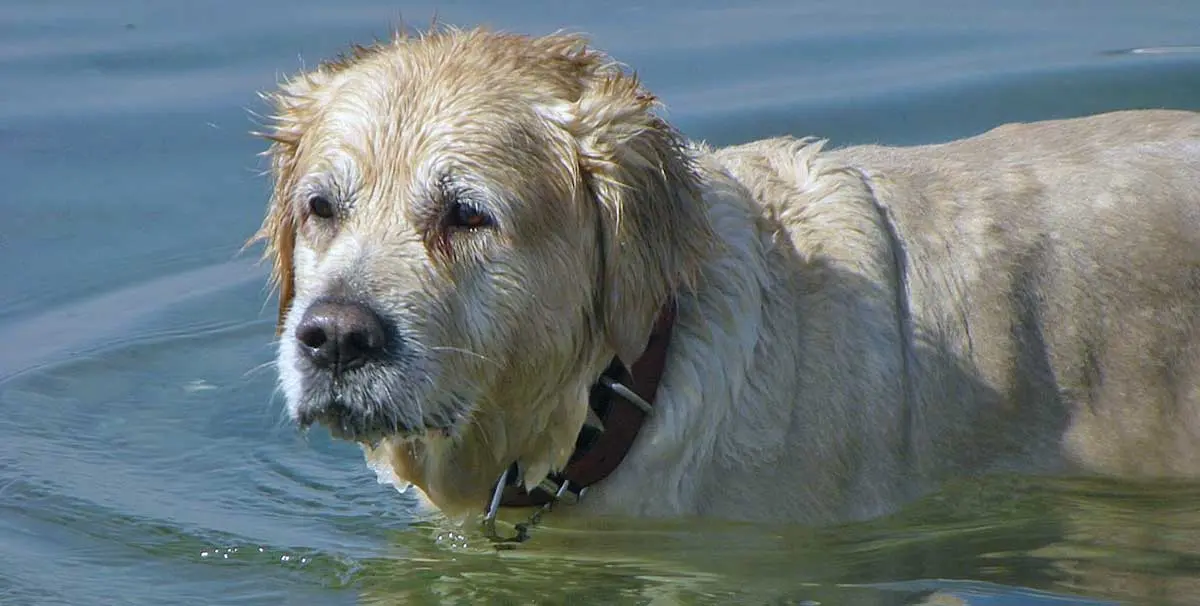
[
  {"x": 489, "y": 518},
  {"x": 627, "y": 393},
  {"x": 572, "y": 498},
  {"x": 561, "y": 490}
]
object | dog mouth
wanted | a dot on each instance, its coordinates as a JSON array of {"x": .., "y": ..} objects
[{"x": 348, "y": 423}]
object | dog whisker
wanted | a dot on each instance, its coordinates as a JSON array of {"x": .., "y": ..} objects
[
  {"x": 465, "y": 352},
  {"x": 259, "y": 368}
]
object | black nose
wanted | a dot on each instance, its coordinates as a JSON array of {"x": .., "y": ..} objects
[{"x": 340, "y": 335}]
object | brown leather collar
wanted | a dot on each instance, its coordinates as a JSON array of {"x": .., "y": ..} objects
[{"x": 599, "y": 452}]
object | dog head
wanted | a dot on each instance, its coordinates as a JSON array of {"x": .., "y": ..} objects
[{"x": 465, "y": 227}]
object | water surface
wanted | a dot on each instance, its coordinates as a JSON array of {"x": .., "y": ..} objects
[{"x": 143, "y": 456}]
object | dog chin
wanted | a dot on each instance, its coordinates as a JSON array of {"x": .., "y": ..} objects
[
  {"x": 372, "y": 404},
  {"x": 360, "y": 417},
  {"x": 347, "y": 428}
]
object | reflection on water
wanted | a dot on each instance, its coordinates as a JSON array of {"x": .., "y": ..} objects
[{"x": 1004, "y": 541}]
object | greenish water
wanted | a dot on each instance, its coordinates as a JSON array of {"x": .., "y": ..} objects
[{"x": 143, "y": 455}]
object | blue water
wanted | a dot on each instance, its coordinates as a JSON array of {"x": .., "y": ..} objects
[{"x": 143, "y": 454}]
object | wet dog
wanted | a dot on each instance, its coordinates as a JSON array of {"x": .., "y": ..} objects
[{"x": 468, "y": 227}]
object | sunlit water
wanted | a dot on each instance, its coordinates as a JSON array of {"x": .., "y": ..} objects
[{"x": 143, "y": 456}]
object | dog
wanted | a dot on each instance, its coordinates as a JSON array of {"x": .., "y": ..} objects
[{"x": 470, "y": 229}]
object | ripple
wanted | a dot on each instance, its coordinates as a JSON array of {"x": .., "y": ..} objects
[
  {"x": 36, "y": 519},
  {"x": 62, "y": 333}
]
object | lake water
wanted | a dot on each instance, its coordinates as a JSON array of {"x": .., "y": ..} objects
[{"x": 143, "y": 456}]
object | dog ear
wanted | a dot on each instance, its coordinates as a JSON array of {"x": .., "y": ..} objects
[
  {"x": 294, "y": 106},
  {"x": 654, "y": 225},
  {"x": 278, "y": 229}
]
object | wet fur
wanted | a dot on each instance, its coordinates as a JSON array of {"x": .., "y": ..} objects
[{"x": 854, "y": 325}]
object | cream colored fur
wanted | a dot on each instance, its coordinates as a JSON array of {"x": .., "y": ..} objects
[{"x": 855, "y": 325}]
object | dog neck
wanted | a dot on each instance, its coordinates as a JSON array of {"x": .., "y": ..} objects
[{"x": 620, "y": 399}]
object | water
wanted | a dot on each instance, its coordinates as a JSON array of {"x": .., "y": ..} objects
[{"x": 143, "y": 459}]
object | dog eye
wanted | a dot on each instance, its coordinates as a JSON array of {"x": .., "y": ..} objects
[
  {"x": 464, "y": 215},
  {"x": 321, "y": 207}
]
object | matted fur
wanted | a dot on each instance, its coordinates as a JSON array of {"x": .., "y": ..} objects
[{"x": 854, "y": 326}]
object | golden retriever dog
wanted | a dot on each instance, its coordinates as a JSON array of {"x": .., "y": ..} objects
[{"x": 468, "y": 227}]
